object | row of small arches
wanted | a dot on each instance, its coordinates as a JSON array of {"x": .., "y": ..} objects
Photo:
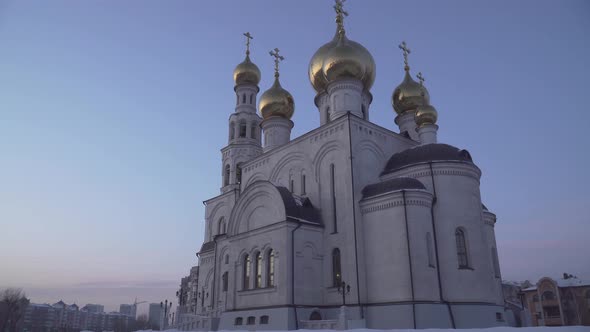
[{"x": 251, "y": 320}]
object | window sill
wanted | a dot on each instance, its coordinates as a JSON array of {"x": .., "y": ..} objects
[
  {"x": 257, "y": 291},
  {"x": 466, "y": 268}
]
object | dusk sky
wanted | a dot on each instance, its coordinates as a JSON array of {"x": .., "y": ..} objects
[{"x": 112, "y": 115}]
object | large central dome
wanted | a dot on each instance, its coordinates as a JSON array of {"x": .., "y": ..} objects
[{"x": 341, "y": 58}]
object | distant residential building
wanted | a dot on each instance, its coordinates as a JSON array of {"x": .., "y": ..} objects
[
  {"x": 155, "y": 314},
  {"x": 514, "y": 304},
  {"x": 128, "y": 310},
  {"x": 63, "y": 317},
  {"x": 93, "y": 308},
  {"x": 559, "y": 302},
  {"x": 186, "y": 312}
]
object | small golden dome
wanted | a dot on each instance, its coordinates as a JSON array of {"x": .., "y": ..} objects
[
  {"x": 276, "y": 101},
  {"x": 247, "y": 73},
  {"x": 409, "y": 95},
  {"x": 426, "y": 114},
  {"x": 341, "y": 58}
]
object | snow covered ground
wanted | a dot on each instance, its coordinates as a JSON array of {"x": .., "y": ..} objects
[{"x": 494, "y": 329}]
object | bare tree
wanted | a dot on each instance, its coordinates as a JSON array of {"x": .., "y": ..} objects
[{"x": 13, "y": 304}]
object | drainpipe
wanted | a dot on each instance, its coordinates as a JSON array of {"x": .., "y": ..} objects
[
  {"x": 293, "y": 273},
  {"x": 434, "y": 200},
  {"x": 409, "y": 258},
  {"x": 356, "y": 254}
]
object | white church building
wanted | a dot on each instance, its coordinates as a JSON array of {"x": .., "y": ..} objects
[{"x": 397, "y": 217}]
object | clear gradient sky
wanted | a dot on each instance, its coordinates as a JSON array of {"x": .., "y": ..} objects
[{"x": 112, "y": 115}]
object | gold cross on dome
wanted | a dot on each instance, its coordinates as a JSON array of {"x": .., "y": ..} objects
[
  {"x": 420, "y": 78},
  {"x": 248, "y": 38},
  {"x": 278, "y": 58},
  {"x": 340, "y": 13},
  {"x": 406, "y": 51}
]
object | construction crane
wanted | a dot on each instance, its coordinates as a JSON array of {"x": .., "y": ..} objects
[{"x": 135, "y": 303}]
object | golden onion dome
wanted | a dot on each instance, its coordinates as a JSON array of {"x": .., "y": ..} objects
[
  {"x": 409, "y": 95},
  {"x": 425, "y": 115},
  {"x": 276, "y": 101},
  {"x": 247, "y": 73},
  {"x": 341, "y": 58}
]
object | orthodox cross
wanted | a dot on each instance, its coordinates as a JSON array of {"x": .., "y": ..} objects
[
  {"x": 278, "y": 58},
  {"x": 420, "y": 78},
  {"x": 406, "y": 51},
  {"x": 340, "y": 13},
  {"x": 248, "y": 37}
]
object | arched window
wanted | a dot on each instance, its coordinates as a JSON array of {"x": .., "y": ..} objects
[
  {"x": 251, "y": 98},
  {"x": 226, "y": 259},
  {"x": 270, "y": 268},
  {"x": 461, "y": 248},
  {"x": 364, "y": 111},
  {"x": 239, "y": 173},
  {"x": 328, "y": 114},
  {"x": 336, "y": 268},
  {"x": 315, "y": 316},
  {"x": 221, "y": 226},
  {"x": 226, "y": 176},
  {"x": 291, "y": 185},
  {"x": 224, "y": 281},
  {"x": 253, "y": 131},
  {"x": 251, "y": 320},
  {"x": 258, "y": 270},
  {"x": 239, "y": 321},
  {"x": 242, "y": 128},
  {"x": 232, "y": 131},
  {"x": 547, "y": 295},
  {"x": 237, "y": 99},
  {"x": 264, "y": 319},
  {"x": 246, "y": 269},
  {"x": 429, "y": 249},
  {"x": 244, "y": 98},
  {"x": 495, "y": 262}
]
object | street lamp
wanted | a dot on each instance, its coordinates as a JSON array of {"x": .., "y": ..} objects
[
  {"x": 343, "y": 289},
  {"x": 164, "y": 305}
]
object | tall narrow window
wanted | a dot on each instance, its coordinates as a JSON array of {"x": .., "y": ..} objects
[
  {"x": 224, "y": 281},
  {"x": 226, "y": 176},
  {"x": 258, "y": 270},
  {"x": 242, "y": 129},
  {"x": 270, "y": 268},
  {"x": 333, "y": 194},
  {"x": 232, "y": 130},
  {"x": 302, "y": 184},
  {"x": 239, "y": 173},
  {"x": 291, "y": 185},
  {"x": 336, "y": 268},
  {"x": 246, "y": 277},
  {"x": 461, "y": 248},
  {"x": 364, "y": 111},
  {"x": 496, "y": 262},
  {"x": 244, "y": 98},
  {"x": 226, "y": 259},
  {"x": 429, "y": 249},
  {"x": 251, "y": 98},
  {"x": 253, "y": 131},
  {"x": 221, "y": 226}
]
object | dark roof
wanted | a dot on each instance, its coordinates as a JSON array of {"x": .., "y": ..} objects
[
  {"x": 484, "y": 207},
  {"x": 425, "y": 153},
  {"x": 391, "y": 185},
  {"x": 207, "y": 246},
  {"x": 298, "y": 207}
]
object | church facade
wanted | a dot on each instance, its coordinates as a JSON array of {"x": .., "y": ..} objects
[{"x": 394, "y": 220}]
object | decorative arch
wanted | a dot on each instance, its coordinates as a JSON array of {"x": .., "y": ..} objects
[
  {"x": 370, "y": 145},
  {"x": 213, "y": 212},
  {"x": 259, "y": 176},
  {"x": 261, "y": 200},
  {"x": 322, "y": 153},
  {"x": 283, "y": 162}
]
